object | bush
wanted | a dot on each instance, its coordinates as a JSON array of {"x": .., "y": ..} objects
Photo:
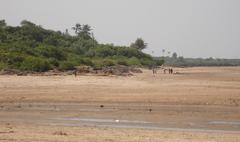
[
  {"x": 79, "y": 60},
  {"x": 2, "y": 66},
  {"x": 122, "y": 62},
  {"x": 134, "y": 61},
  {"x": 35, "y": 64},
  {"x": 86, "y": 61},
  {"x": 99, "y": 63},
  {"x": 131, "y": 52},
  {"x": 147, "y": 62},
  {"x": 108, "y": 62},
  {"x": 105, "y": 51},
  {"x": 67, "y": 65},
  {"x": 159, "y": 62},
  {"x": 54, "y": 62},
  {"x": 50, "y": 52}
]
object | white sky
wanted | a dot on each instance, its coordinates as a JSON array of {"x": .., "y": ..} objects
[{"x": 192, "y": 28}]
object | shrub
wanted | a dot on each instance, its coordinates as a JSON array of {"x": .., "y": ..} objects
[
  {"x": 67, "y": 65},
  {"x": 87, "y": 61},
  {"x": 51, "y": 52},
  {"x": 99, "y": 63},
  {"x": 35, "y": 64},
  {"x": 159, "y": 62},
  {"x": 134, "y": 61},
  {"x": 12, "y": 58},
  {"x": 122, "y": 62},
  {"x": 147, "y": 62},
  {"x": 108, "y": 62},
  {"x": 2, "y": 66},
  {"x": 54, "y": 62},
  {"x": 104, "y": 51}
]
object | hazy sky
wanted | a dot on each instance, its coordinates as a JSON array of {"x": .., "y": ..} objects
[{"x": 192, "y": 28}]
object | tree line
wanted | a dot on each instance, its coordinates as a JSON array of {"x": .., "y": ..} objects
[
  {"x": 30, "y": 47},
  {"x": 174, "y": 60}
]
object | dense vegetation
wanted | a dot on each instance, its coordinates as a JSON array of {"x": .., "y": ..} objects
[
  {"x": 30, "y": 47},
  {"x": 181, "y": 61}
]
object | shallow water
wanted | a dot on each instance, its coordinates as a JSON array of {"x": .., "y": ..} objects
[
  {"x": 112, "y": 123},
  {"x": 132, "y": 115},
  {"x": 224, "y": 122}
]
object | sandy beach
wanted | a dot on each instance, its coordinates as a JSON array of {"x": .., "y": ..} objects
[{"x": 196, "y": 104}]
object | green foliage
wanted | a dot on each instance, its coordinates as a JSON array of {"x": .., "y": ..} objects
[
  {"x": 33, "y": 48},
  {"x": 104, "y": 51},
  {"x": 147, "y": 62},
  {"x": 53, "y": 62},
  {"x": 174, "y": 55},
  {"x": 82, "y": 31},
  {"x": 122, "y": 62},
  {"x": 35, "y": 64},
  {"x": 67, "y": 65},
  {"x": 108, "y": 62},
  {"x": 134, "y": 61},
  {"x": 2, "y": 24},
  {"x": 2, "y": 66},
  {"x": 139, "y": 44},
  {"x": 190, "y": 62},
  {"x": 159, "y": 62},
  {"x": 50, "y": 52}
]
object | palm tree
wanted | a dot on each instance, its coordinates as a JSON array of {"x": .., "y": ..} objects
[
  {"x": 86, "y": 29},
  {"x": 163, "y": 51},
  {"x": 169, "y": 52},
  {"x": 77, "y": 28}
]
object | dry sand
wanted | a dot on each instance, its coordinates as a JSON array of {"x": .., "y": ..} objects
[{"x": 190, "y": 99}]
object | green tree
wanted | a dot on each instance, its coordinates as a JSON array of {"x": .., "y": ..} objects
[
  {"x": 174, "y": 55},
  {"x": 2, "y": 24},
  {"x": 27, "y": 23},
  {"x": 77, "y": 28},
  {"x": 139, "y": 44},
  {"x": 86, "y": 29}
]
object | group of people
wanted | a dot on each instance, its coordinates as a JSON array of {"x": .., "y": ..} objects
[{"x": 169, "y": 70}]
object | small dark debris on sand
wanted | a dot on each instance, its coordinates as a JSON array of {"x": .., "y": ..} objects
[
  {"x": 60, "y": 133},
  {"x": 7, "y": 132}
]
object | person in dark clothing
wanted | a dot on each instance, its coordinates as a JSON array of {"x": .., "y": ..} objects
[{"x": 75, "y": 73}]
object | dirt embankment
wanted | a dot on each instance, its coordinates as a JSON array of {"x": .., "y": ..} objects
[{"x": 118, "y": 70}]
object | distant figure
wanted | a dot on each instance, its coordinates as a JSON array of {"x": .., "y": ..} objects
[
  {"x": 154, "y": 70},
  {"x": 75, "y": 73},
  {"x": 170, "y": 71},
  {"x": 164, "y": 70}
]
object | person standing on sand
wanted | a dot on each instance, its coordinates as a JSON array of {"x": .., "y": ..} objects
[
  {"x": 154, "y": 69},
  {"x": 171, "y": 71},
  {"x": 75, "y": 73}
]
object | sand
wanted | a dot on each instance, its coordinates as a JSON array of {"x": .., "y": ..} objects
[{"x": 192, "y": 99}]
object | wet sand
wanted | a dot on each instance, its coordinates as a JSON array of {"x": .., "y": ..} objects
[{"x": 199, "y": 104}]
